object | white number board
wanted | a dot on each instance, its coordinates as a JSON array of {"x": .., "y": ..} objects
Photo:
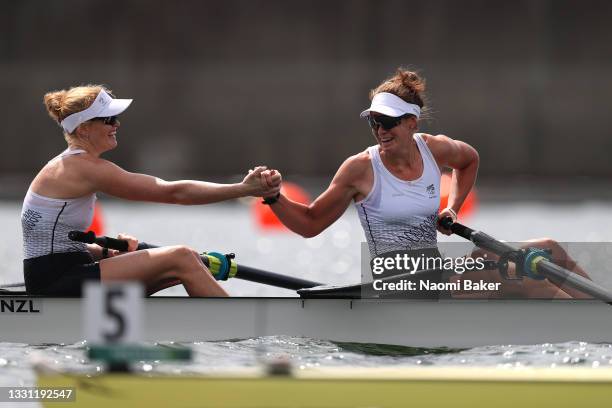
[{"x": 113, "y": 312}]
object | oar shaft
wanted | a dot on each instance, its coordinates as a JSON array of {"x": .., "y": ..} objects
[
  {"x": 273, "y": 279},
  {"x": 564, "y": 277},
  {"x": 484, "y": 241},
  {"x": 259, "y": 276},
  {"x": 546, "y": 268},
  {"x": 480, "y": 239},
  {"x": 243, "y": 272}
]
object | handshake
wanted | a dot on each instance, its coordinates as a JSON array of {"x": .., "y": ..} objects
[{"x": 263, "y": 182}]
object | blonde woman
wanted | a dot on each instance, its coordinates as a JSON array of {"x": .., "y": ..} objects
[{"x": 61, "y": 198}]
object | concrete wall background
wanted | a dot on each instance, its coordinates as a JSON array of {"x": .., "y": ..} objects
[{"x": 220, "y": 86}]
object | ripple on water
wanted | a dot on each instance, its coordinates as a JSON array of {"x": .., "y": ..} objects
[{"x": 302, "y": 353}]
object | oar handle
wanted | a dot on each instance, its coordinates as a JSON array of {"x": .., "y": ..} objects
[
  {"x": 456, "y": 228},
  {"x": 243, "y": 272},
  {"x": 105, "y": 242}
]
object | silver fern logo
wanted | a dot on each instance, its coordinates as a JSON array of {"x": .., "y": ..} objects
[{"x": 431, "y": 190}]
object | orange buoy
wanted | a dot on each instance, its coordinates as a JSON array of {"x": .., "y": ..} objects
[
  {"x": 265, "y": 217},
  {"x": 97, "y": 224},
  {"x": 469, "y": 205}
]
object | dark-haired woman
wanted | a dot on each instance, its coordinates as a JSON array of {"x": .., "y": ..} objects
[{"x": 395, "y": 184}]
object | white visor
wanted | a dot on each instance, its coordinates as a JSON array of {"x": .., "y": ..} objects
[
  {"x": 103, "y": 106},
  {"x": 391, "y": 105}
]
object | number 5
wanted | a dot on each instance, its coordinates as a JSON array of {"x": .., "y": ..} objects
[{"x": 113, "y": 312}]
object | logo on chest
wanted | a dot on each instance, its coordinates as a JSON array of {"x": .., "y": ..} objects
[{"x": 431, "y": 191}]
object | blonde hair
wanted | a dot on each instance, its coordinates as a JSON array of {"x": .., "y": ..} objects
[
  {"x": 61, "y": 104},
  {"x": 406, "y": 84}
]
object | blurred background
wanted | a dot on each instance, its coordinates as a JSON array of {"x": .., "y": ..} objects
[{"x": 220, "y": 86}]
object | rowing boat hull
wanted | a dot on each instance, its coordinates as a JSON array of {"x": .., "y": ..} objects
[
  {"x": 355, "y": 387},
  {"x": 425, "y": 323}
]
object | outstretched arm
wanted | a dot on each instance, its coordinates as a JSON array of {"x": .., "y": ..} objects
[
  {"x": 111, "y": 179},
  {"x": 310, "y": 220}
]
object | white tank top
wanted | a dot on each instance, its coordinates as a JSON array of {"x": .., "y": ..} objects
[
  {"x": 46, "y": 221},
  {"x": 399, "y": 215}
]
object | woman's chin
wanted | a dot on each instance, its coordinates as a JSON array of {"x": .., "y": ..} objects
[
  {"x": 111, "y": 146},
  {"x": 387, "y": 146}
]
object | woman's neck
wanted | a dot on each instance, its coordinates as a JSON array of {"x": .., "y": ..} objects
[
  {"x": 84, "y": 147},
  {"x": 405, "y": 155}
]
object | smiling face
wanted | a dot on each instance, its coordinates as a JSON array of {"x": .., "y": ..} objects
[
  {"x": 99, "y": 134},
  {"x": 392, "y": 133}
]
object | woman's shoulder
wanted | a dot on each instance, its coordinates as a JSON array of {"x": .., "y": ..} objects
[
  {"x": 355, "y": 167},
  {"x": 67, "y": 176},
  {"x": 434, "y": 139},
  {"x": 80, "y": 167},
  {"x": 84, "y": 160},
  {"x": 437, "y": 144},
  {"x": 359, "y": 161},
  {"x": 447, "y": 151}
]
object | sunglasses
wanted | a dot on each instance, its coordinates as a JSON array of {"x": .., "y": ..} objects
[
  {"x": 109, "y": 120},
  {"x": 387, "y": 122}
]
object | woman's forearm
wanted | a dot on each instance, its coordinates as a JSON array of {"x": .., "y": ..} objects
[
  {"x": 192, "y": 192},
  {"x": 295, "y": 216}
]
